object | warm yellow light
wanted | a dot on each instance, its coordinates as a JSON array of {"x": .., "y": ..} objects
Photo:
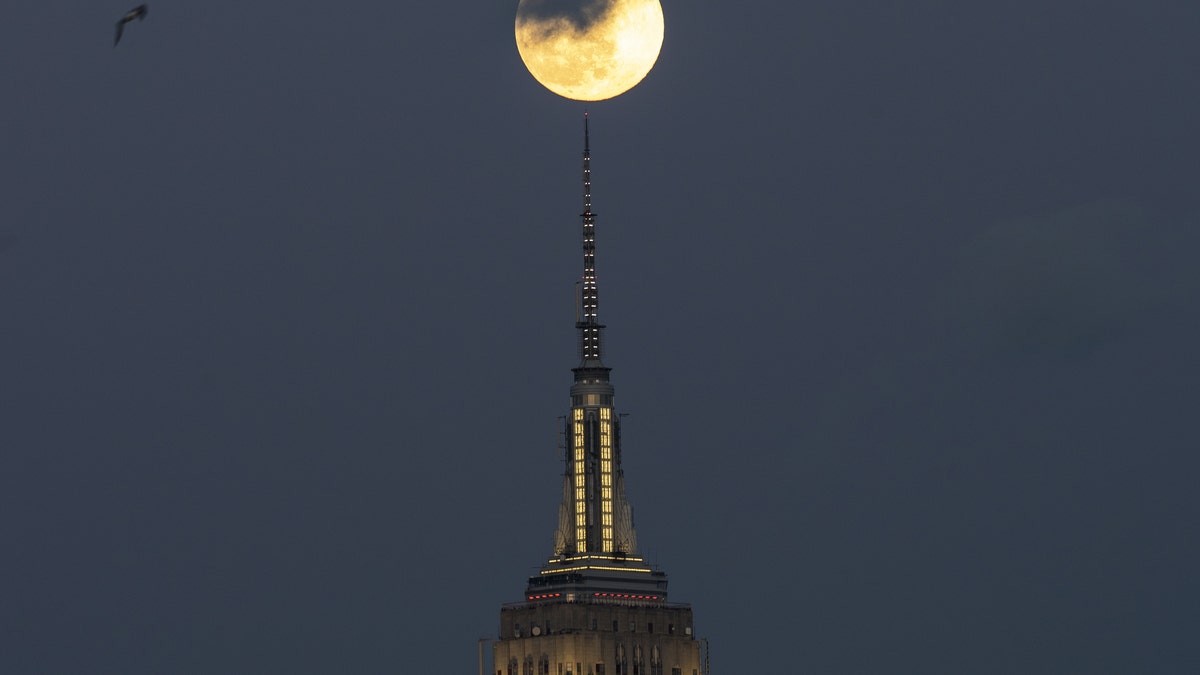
[
  {"x": 608, "y": 55},
  {"x": 593, "y": 557},
  {"x": 594, "y": 567}
]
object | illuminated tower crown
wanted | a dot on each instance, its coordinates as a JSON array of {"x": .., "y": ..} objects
[
  {"x": 595, "y": 607},
  {"x": 594, "y": 516},
  {"x": 595, "y": 545}
]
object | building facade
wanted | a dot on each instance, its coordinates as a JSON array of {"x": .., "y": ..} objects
[{"x": 595, "y": 607}]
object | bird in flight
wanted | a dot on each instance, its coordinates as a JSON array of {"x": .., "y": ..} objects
[{"x": 138, "y": 12}]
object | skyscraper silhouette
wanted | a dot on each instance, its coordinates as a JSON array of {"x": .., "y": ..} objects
[{"x": 596, "y": 607}]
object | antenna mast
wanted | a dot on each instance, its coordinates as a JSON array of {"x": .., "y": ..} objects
[{"x": 588, "y": 324}]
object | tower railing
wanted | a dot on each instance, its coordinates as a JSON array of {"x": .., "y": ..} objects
[{"x": 589, "y": 600}]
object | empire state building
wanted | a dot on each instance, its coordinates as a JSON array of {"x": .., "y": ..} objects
[{"x": 595, "y": 607}]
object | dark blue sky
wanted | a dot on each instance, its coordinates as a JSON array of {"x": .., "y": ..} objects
[{"x": 901, "y": 301}]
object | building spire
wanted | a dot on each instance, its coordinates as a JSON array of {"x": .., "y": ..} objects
[
  {"x": 589, "y": 324},
  {"x": 595, "y": 544}
]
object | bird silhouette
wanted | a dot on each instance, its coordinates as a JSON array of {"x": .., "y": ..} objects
[{"x": 138, "y": 13}]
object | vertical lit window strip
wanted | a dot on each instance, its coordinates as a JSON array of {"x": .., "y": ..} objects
[
  {"x": 578, "y": 441},
  {"x": 606, "y": 502}
]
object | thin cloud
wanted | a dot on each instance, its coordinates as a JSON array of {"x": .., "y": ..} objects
[{"x": 580, "y": 13}]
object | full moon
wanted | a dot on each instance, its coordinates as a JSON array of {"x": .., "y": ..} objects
[{"x": 589, "y": 50}]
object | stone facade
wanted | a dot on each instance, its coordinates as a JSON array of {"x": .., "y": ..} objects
[{"x": 591, "y": 638}]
